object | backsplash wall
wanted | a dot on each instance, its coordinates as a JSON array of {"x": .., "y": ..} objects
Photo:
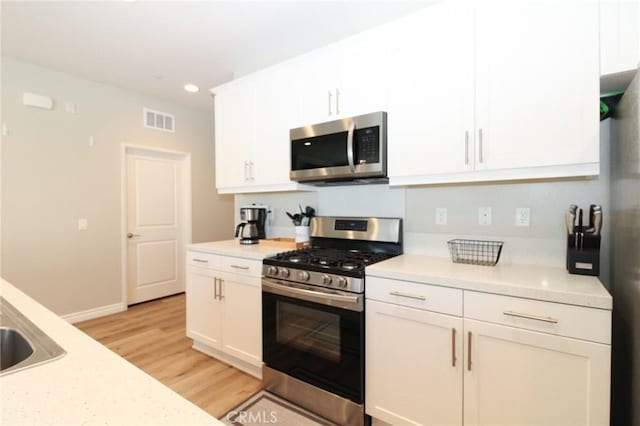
[{"x": 541, "y": 243}]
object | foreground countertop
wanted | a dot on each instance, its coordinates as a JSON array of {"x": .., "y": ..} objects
[
  {"x": 553, "y": 284},
  {"x": 89, "y": 385},
  {"x": 234, "y": 248}
]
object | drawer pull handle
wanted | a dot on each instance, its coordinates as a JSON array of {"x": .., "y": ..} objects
[
  {"x": 409, "y": 296},
  {"x": 201, "y": 260},
  {"x": 246, "y": 268},
  {"x": 532, "y": 317}
]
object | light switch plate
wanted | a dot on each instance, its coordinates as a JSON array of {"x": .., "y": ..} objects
[
  {"x": 484, "y": 216},
  {"x": 523, "y": 216},
  {"x": 441, "y": 216}
]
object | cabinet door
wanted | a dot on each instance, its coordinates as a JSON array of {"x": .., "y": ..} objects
[
  {"x": 316, "y": 81},
  {"x": 204, "y": 311},
  {"x": 619, "y": 36},
  {"x": 242, "y": 317},
  {"x": 362, "y": 73},
  {"x": 413, "y": 365},
  {"x": 431, "y": 76},
  {"x": 537, "y": 83},
  {"x": 520, "y": 377},
  {"x": 234, "y": 129},
  {"x": 276, "y": 113}
]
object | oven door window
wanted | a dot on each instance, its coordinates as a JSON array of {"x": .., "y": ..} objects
[
  {"x": 318, "y": 344},
  {"x": 308, "y": 330}
]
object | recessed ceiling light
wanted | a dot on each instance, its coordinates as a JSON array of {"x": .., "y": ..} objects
[{"x": 191, "y": 88}]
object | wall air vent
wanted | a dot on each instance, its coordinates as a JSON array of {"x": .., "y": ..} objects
[{"x": 158, "y": 120}]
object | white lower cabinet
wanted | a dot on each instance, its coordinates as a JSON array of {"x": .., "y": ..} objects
[
  {"x": 413, "y": 365},
  {"x": 520, "y": 365},
  {"x": 224, "y": 310},
  {"x": 521, "y": 377}
]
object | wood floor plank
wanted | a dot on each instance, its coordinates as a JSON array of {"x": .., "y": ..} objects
[{"x": 152, "y": 336}]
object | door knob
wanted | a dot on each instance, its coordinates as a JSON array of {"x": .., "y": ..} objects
[{"x": 130, "y": 235}]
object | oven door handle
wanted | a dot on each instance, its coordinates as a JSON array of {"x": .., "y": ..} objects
[{"x": 352, "y": 303}]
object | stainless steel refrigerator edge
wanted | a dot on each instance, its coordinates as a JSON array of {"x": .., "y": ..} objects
[{"x": 625, "y": 257}]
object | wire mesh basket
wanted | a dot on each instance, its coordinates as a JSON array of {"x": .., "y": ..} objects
[{"x": 475, "y": 252}]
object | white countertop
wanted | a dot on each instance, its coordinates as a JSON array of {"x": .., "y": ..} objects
[
  {"x": 234, "y": 248},
  {"x": 89, "y": 385},
  {"x": 551, "y": 284}
]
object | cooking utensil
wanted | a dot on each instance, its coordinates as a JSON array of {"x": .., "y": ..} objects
[
  {"x": 570, "y": 220},
  {"x": 309, "y": 213}
]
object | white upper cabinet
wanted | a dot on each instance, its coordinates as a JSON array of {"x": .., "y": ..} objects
[
  {"x": 501, "y": 98},
  {"x": 537, "y": 85},
  {"x": 619, "y": 36},
  {"x": 344, "y": 79},
  {"x": 430, "y": 114},
  {"x": 252, "y": 118},
  {"x": 234, "y": 116}
]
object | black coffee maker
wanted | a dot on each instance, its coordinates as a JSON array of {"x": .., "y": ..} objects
[{"x": 253, "y": 227}]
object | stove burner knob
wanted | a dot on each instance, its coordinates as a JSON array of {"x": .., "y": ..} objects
[
  {"x": 284, "y": 272},
  {"x": 326, "y": 280},
  {"x": 272, "y": 270},
  {"x": 303, "y": 275},
  {"x": 342, "y": 282}
]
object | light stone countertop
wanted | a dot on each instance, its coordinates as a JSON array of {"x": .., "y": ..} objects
[
  {"x": 90, "y": 385},
  {"x": 234, "y": 248},
  {"x": 553, "y": 284}
]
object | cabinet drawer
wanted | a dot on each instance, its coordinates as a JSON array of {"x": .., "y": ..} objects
[
  {"x": 202, "y": 260},
  {"x": 238, "y": 265},
  {"x": 415, "y": 295},
  {"x": 548, "y": 317}
]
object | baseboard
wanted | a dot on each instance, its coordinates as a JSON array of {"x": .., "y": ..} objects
[
  {"x": 253, "y": 370},
  {"x": 94, "y": 313}
]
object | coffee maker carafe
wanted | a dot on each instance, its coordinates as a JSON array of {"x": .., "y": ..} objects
[{"x": 253, "y": 227}]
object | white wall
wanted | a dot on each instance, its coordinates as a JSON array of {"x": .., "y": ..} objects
[
  {"x": 51, "y": 177},
  {"x": 541, "y": 243}
]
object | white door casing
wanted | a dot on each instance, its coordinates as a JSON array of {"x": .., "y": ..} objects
[{"x": 156, "y": 223}]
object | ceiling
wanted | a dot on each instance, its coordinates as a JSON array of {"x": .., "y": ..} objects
[{"x": 155, "y": 47}]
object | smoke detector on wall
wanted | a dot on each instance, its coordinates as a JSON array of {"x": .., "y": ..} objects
[{"x": 158, "y": 120}]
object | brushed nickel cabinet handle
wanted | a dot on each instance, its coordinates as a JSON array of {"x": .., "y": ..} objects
[
  {"x": 466, "y": 147},
  {"x": 453, "y": 347},
  {"x": 469, "y": 353},
  {"x": 531, "y": 317},
  {"x": 200, "y": 260},
  {"x": 246, "y": 268},
  {"x": 408, "y": 296},
  {"x": 329, "y": 96},
  {"x": 337, "y": 101},
  {"x": 215, "y": 288}
]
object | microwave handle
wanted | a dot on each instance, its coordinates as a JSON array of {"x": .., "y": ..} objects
[{"x": 350, "y": 132}]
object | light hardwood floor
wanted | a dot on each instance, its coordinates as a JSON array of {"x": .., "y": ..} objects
[{"x": 152, "y": 336}]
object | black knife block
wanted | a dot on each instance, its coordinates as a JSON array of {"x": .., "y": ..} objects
[{"x": 585, "y": 259}]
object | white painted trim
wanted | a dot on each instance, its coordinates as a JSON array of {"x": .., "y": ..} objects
[
  {"x": 283, "y": 187},
  {"x": 249, "y": 368},
  {"x": 95, "y": 313},
  {"x": 525, "y": 173},
  {"x": 185, "y": 157}
]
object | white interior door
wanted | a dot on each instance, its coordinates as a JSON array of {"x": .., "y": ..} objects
[{"x": 155, "y": 227}]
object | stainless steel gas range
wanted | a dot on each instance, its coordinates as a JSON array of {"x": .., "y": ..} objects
[{"x": 313, "y": 314}]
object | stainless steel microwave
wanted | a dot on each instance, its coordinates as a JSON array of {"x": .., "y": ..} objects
[{"x": 351, "y": 150}]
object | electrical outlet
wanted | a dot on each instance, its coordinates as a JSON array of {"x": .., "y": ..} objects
[
  {"x": 484, "y": 216},
  {"x": 441, "y": 216},
  {"x": 83, "y": 224},
  {"x": 523, "y": 216}
]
